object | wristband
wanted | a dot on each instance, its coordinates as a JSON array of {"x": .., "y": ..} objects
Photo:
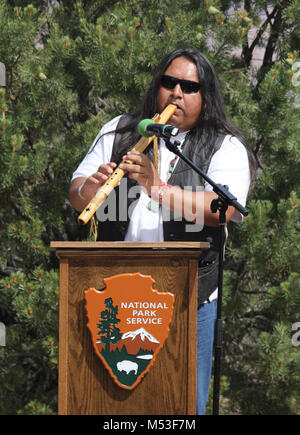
[
  {"x": 156, "y": 194},
  {"x": 160, "y": 193},
  {"x": 79, "y": 192},
  {"x": 156, "y": 199}
]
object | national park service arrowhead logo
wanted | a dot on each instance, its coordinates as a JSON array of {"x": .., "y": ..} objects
[{"x": 129, "y": 324}]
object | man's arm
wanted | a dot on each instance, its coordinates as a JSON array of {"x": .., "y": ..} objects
[
  {"x": 193, "y": 206},
  {"x": 81, "y": 196}
]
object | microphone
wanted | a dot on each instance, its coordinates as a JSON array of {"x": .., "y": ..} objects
[{"x": 148, "y": 128}]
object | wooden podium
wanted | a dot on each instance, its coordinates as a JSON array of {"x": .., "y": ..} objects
[{"x": 85, "y": 386}]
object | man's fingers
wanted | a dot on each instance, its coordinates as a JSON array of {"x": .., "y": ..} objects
[
  {"x": 134, "y": 161},
  {"x": 132, "y": 168},
  {"x": 107, "y": 168},
  {"x": 98, "y": 177}
]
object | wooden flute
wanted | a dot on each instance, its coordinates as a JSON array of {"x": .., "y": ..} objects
[{"x": 103, "y": 191}]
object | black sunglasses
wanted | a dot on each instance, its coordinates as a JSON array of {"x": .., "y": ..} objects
[{"x": 187, "y": 86}]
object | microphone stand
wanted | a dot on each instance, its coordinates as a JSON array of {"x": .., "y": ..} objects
[{"x": 225, "y": 198}]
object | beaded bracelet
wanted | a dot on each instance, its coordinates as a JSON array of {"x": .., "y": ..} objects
[
  {"x": 156, "y": 199},
  {"x": 156, "y": 195},
  {"x": 160, "y": 193}
]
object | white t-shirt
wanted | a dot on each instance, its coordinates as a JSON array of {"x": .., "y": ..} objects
[{"x": 229, "y": 166}]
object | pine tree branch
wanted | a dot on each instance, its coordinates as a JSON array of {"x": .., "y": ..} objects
[
  {"x": 225, "y": 41},
  {"x": 276, "y": 31},
  {"x": 247, "y": 51},
  {"x": 259, "y": 292},
  {"x": 261, "y": 320},
  {"x": 18, "y": 209},
  {"x": 6, "y": 271},
  {"x": 262, "y": 313},
  {"x": 28, "y": 132},
  {"x": 256, "y": 152}
]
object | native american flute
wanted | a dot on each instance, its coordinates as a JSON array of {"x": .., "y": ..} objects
[{"x": 103, "y": 191}]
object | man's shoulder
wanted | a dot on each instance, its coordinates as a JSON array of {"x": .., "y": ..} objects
[
  {"x": 119, "y": 121},
  {"x": 110, "y": 125},
  {"x": 230, "y": 146}
]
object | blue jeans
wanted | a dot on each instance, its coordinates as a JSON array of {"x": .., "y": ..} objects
[{"x": 206, "y": 318}]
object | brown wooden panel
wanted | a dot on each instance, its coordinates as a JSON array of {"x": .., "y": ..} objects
[
  {"x": 129, "y": 245},
  {"x": 63, "y": 336},
  {"x": 85, "y": 385}
]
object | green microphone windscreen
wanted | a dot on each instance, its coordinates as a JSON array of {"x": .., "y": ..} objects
[{"x": 142, "y": 127}]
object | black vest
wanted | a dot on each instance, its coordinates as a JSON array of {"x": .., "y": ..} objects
[{"x": 174, "y": 230}]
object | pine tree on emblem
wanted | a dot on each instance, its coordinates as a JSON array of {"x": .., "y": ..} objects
[{"x": 108, "y": 331}]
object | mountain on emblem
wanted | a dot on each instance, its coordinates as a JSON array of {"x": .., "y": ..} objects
[
  {"x": 127, "y": 349},
  {"x": 142, "y": 334},
  {"x": 134, "y": 341}
]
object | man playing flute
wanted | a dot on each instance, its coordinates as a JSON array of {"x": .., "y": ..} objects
[{"x": 171, "y": 201}]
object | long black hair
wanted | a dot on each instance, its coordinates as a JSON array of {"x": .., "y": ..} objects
[{"x": 213, "y": 119}]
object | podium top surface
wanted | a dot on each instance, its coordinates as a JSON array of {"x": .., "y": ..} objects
[{"x": 129, "y": 245}]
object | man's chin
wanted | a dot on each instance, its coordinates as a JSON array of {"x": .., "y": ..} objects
[{"x": 175, "y": 119}]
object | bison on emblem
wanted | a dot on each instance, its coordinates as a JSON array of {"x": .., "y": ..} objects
[{"x": 127, "y": 366}]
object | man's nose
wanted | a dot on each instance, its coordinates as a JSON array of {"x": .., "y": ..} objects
[{"x": 177, "y": 91}]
